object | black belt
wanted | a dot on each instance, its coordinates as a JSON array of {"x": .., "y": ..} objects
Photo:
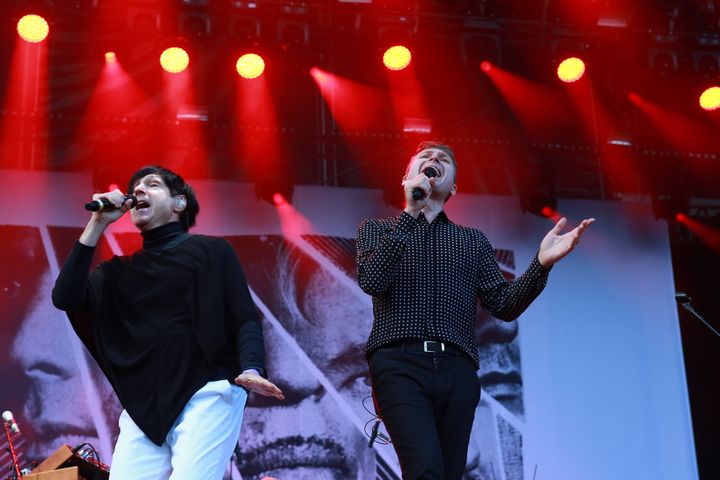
[{"x": 424, "y": 346}]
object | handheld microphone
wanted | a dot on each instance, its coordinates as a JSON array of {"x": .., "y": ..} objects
[
  {"x": 104, "y": 204},
  {"x": 8, "y": 418},
  {"x": 417, "y": 193}
]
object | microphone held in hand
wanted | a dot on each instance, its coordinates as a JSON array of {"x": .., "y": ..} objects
[
  {"x": 104, "y": 204},
  {"x": 417, "y": 193}
]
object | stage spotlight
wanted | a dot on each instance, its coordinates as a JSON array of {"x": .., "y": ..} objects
[
  {"x": 710, "y": 99},
  {"x": 486, "y": 66},
  {"x": 537, "y": 192},
  {"x": 250, "y": 65},
  {"x": 539, "y": 200},
  {"x": 33, "y": 28},
  {"x": 275, "y": 189},
  {"x": 547, "y": 211},
  {"x": 174, "y": 60},
  {"x": 669, "y": 200},
  {"x": 397, "y": 58},
  {"x": 571, "y": 70},
  {"x": 481, "y": 49},
  {"x": 278, "y": 199},
  {"x": 110, "y": 57}
]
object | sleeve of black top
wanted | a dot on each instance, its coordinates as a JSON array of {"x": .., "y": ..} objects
[
  {"x": 76, "y": 289},
  {"x": 379, "y": 251},
  {"x": 243, "y": 315},
  {"x": 504, "y": 299}
]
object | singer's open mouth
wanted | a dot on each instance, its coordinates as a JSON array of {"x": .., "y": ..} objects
[
  {"x": 142, "y": 204},
  {"x": 434, "y": 165}
]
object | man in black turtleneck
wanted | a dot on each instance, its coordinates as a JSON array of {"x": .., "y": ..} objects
[{"x": 173, "y": 328}]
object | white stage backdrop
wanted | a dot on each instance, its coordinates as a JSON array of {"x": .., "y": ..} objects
[{"x": 588, "y": 384}]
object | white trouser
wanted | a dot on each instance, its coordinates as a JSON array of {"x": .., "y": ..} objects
[{"x": 198, "y": 446}]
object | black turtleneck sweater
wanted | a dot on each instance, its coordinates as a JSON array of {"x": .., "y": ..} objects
[{"x": 163, "y": 322}]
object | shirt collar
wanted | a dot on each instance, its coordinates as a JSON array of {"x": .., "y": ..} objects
[
  {"x": 442, "y": 217},
  {"x": 159, "y": 236}
]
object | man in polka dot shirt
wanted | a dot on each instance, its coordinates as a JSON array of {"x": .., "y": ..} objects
[{"x": 425, "y": 274}]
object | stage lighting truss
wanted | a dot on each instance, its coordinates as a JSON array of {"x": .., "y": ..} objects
[
  {"x": 663, "y": 60},
  {"x": 245, "y": 28},
  {"x": 706, "y": 62},
  {"x": 195, "y": 25}
]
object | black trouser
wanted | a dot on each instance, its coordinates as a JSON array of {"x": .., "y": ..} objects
[{"x": 427, "y": 402}]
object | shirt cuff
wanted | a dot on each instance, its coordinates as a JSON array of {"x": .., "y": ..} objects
[{"x": 537, "y": 267}]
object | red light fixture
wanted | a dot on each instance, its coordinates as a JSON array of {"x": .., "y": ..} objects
[
  {"x": 33, "y": 28},
  {"x": 571, "y": 70},
  {"x": 174, "y": 60},
  {"x": 547, "y": 212},
  {"x": 250, "y": 65},
  {"x": 397, "y": 58},
  {"x": 710, "y": 99}
]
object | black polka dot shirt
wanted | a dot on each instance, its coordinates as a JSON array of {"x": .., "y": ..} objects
[{"x": 425, "y": 279}]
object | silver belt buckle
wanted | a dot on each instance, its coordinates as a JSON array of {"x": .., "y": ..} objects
[{"x": 425, "y": 346}]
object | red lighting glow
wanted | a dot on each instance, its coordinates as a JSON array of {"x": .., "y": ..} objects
[
  {"x": 634, "y": 97},
  {"x": 250, "y": 65},
  {"x": 707, "y": 234},
  {"x": 485, "y": 66},
  {"x": 355, "y": 106},
  {"x": 547, "y": 212},
  {"x": 320, "y": 76},
  {"x": 571, "y": 70},
  {"x": 710, "y": 99},
  {"x": 174, "y": 60},
  {"x": 33, "y": 28},
  {"x": 397, "y": 58},
  {"x": 278, "y": 199}
]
